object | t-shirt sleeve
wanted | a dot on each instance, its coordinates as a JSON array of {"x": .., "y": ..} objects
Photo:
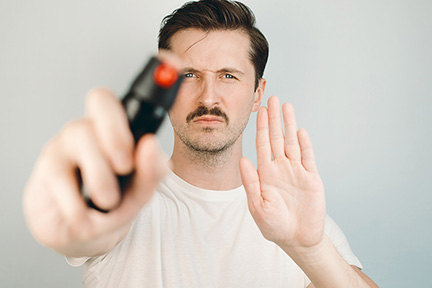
[
  {"x": 334, "y": 232},
  {"x": 339, "y": 240}
]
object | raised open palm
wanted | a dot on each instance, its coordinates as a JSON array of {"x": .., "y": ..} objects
[{"x": 285, "y": 194}]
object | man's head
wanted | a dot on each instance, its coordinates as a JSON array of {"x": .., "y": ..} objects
[
  {"x": 212, "y": 15},
  {"x": 223, "y": 58}
]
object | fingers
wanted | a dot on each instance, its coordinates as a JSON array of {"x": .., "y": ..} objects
[
  {"x": 307, "y": 153},
  {"x": 112, "y": 129},
  {"x": 100, "y": 146},
  {"x": 273, "y": 144},
  {"x": 83, "y": 151},
  {"x": 150, "y": 166},
  {"x": 66, "y": 191},
  {"x": 280, "y": 145},
  {"x": 264, "y": 154},
  {"x": 171, "y": 59},
  {"x": 276, "y": 130},
  {"x": 51, "y": 190},
  {"x": 292, "y": 149}
]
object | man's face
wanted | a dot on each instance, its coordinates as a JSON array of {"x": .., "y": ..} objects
[{"x": 217, "y": 95}]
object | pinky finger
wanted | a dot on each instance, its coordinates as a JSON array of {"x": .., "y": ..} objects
[{"x": 307, "y": 153}]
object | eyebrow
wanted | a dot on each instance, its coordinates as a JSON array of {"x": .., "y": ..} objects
[{"x": 222, "y": 70}]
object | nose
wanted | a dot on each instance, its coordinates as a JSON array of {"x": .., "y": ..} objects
[{"x": 209, "y": 96}]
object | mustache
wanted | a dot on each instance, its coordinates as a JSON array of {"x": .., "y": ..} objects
[{"x": 202, "y": 110}]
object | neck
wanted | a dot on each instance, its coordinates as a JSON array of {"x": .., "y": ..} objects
[{"x": 213, "y": 171}]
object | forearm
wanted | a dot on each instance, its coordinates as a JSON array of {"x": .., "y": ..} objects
[
  {"x": 91, "y": 247},
  {"x": 70, "y": 246},
  {"x": 325, "y": 267}
]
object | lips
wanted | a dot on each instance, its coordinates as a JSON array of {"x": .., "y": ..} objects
[
  {"x": 209, "y": 119},
  {"x": 204, "y": 115}
]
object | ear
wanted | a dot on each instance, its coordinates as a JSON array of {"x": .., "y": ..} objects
[{"x": 259, "y": 92}]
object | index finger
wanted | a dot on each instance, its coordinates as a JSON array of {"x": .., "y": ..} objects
[
  {"x": 112, "y": 129},
  {"x": 264, "y": 153}
]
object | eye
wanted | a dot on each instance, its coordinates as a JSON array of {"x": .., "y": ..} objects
[
  {"x": 189, "y": 75},
  {"x": 228, "y": 76}
]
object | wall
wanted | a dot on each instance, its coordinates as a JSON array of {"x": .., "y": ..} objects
[{"x": 357, "y": 72}]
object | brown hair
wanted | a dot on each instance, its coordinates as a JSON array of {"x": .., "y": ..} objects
[{"x": 209, "y": 15}]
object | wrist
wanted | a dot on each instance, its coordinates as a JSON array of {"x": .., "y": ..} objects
[
  {"x": 324, "y": 266},
  {"x": 309, "y": 255}
]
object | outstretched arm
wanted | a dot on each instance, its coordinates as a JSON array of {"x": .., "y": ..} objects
[
  {"x": 101, "y": 145},
  {"x": 286, "y": 198}
]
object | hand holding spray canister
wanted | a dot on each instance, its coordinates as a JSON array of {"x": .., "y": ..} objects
[{"x": 147, "y": 102}]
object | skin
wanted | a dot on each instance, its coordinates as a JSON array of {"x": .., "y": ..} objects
[
  {"x": 102, "y": 146},
  {"x": 216, "y": 77},
  {"x": 286, "y": 199},
  {"x": 285, "y": 193}
]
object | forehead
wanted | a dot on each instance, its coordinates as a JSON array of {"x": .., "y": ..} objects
[{"x": 213, "y": 49}]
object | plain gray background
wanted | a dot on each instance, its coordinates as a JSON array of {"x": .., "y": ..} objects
[{"x": 358, "y": 74}]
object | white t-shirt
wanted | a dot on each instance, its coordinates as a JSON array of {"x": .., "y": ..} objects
[{"x": 192, "y": 237}]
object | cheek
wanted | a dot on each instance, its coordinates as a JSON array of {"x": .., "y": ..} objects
[
  {"x": 177, "y": 109},
  {"x": 241, "y": 101},
  {"x": 184, "y": 96},
  {"x": 180, "y": 102},
  {"x": 183, "y": 106},
  {"x": 175, "y": 113}
]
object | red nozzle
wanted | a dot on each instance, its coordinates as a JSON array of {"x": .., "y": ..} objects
[{"x": 165, "y": 75}]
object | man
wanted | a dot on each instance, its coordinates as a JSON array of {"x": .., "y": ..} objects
[{"x": 214, "y": 220}]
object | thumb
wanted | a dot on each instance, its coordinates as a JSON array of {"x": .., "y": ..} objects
[
  {"x": 151, "y": 164},
  {"x": 251, "y": 184},
  {"x": 148, "y": 171}
]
